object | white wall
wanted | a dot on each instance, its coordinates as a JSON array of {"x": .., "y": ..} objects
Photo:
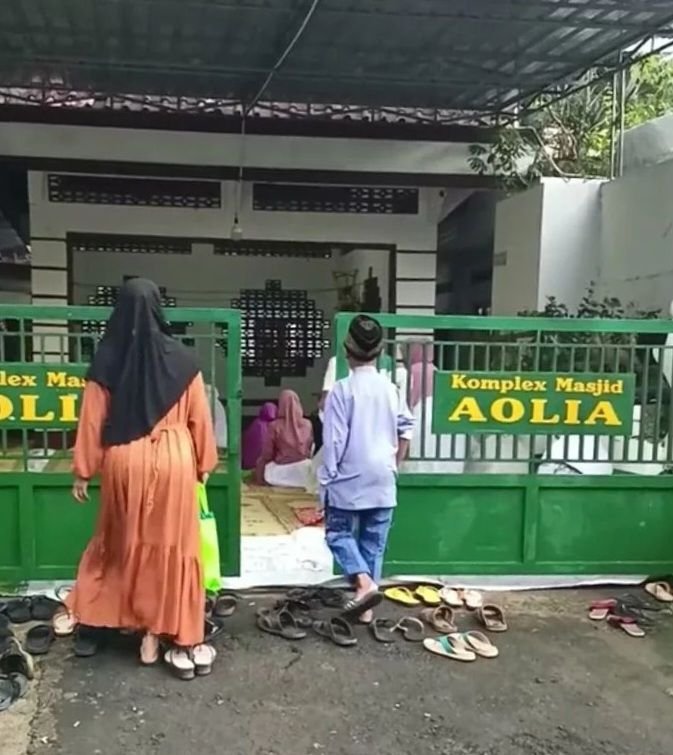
[
  {"x": 547, "y": 243},
  {"x": 364, "y": 260},
  {"x": 637, "y": 257}
]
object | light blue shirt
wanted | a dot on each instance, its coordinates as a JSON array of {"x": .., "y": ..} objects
[{"x": 364, "y": 417}]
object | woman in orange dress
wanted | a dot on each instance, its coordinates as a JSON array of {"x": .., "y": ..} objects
[{"x": 145, "y": 427}]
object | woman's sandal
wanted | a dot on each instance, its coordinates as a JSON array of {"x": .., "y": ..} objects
[
  {"x": 203, "y": 657},
  {"x": 660, "y": 591},
  {"x": 281, "y": 623},
  {"x": 180, "y": 663},
  {"x": 63, "y": 622},
  {"x": 338, "y": 630},
  {"x": 628, "y": 624},
  {"x": 441, "y": 619}
]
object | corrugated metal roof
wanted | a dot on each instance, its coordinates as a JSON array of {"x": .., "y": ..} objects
[{"x": 462, "y": 54}]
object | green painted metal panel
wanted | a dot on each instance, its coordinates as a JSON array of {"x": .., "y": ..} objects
[
  {"x": 10, "y": 532},
  {"x": 533, "y": 403}
]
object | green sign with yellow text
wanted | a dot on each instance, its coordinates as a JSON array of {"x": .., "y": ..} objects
[
  {"x": 40, "y": 395},
  {"x": 533, "y": 403}
]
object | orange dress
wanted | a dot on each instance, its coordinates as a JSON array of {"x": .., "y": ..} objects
[{"x": 142, "y": 568}]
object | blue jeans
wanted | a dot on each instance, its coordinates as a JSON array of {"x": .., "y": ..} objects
[{"x": 358, "y": 539}]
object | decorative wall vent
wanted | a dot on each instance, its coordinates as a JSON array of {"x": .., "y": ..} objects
[
  {"x": 363, "y": 200},
  {"x": 283, "y": 332},
  {"x": 134, "y": 192},
  {"x": 96, "y": 242},
  {"x": 272, "y": 249}
]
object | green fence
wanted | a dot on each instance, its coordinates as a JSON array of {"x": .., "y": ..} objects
[
  {"x": 44, "y": 352},
  {"x": 545, "y": 446}
]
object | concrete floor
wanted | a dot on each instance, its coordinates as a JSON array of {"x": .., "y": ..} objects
[{"x": 561, "y": 686}]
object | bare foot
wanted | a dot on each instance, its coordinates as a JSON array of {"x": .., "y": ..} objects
[{"x": 149, "y": 649}]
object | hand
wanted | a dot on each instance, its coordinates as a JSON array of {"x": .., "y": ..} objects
[
  {"x": 204, "y": 478},
  {"x": 80, "y": 490}
]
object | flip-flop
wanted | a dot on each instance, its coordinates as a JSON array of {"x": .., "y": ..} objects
[
  {"x": 473, "y": 600},
  {"x": 599, "y": 609},
  {"x": 451, "y": 597},
  {"x": 87, "y": 641},
  {"x": 354, "y": 608},
  {"x": 661, "y": 591},
  {"x": 338, "y": 630},
  {"x": 8, "y": 692},
  {"x": 6, "y": 634},
  {"x": 43, "y": 608},
  {"x": 224, "y": 606},
  {"x": 492, "y": 617},
  {"x": 62, "y": 593},
  {"x": 383, "y": 630},
  {"x": 412, "y": 629},
  {"x": 331, "y": 597},
  {"x": 181, "y": 664},
  {"x": 449, "y": 647},
  {"x": 479, "y": 643},
  {"x": 15, "y": 660},
  {"x": 402, "y": 595},
  {"x": 280, "y": 623},
  {"x": 440, "y": 619},
  {"x": 428, "y": 595},
  {"x": 628, "y": 624},
  {"x": 19, "y": 611},
  {"x": 64, "y": 623},
  {"x": 39, "y": 639},
  {"x": 203, "y": 657},
  {"x": 299, "y": 609}
]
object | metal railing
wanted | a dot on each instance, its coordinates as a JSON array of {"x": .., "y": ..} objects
[{"x": 634, "y": 352}]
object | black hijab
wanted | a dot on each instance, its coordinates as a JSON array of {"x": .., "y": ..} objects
[{"x": 143, "y": 367}]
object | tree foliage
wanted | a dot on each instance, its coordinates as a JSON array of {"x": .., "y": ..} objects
[{"x": 572, "y": 136}]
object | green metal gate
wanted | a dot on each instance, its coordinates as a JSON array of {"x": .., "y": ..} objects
[
  {"x": 44, "y": 352},
  {"x": 489, "y": 498}
]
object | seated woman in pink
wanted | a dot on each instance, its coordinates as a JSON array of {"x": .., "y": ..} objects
[
  {"x": 285, "y": 460},
  {"x": 255, "y": 434}
]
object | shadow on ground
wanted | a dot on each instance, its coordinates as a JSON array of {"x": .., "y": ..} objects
[{"x": 561, "y": 686}]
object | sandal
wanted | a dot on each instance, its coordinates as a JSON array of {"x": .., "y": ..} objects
[
  {"x": 64, "y": 623},
  {"x": 338, "y": 630},
  {"x": 281, "y": 623},
  {"x": 211, "y": 629},
  {"x": 627, "y": 623},
  {"x": 8, "y": 692},
  {"x": 39, "y": 639},
  {"x": 354, "y": 608},
  {"x": 660, "y": 591},
  {"x": 492, "y": 617},
  {"x": 181, "y": 664},
  {"x": 87, "y": 641},
  {"x": 43, "y": 608},
  {"x": 450, "y": 646},
  {"x": 412, "y": 629},
  {"x": 299, "y": 609},
  {"x": 15, "y": 660},
  {"x": 402, "y": 595},
  {"x": 19, "y": 611},
  {"x": 440, "y": 619},
  {"x": 479, "y": 643},
  {"x": 599, "y": 609},
  {"x": 472, "y": 599},
  {"x": 428, "y": 595},
  {"x": 383, "y": 630},
  {"x": 451, "y": 597},
  {"x": 224, "y": 606},
  {"x": 203, "y": 657}
]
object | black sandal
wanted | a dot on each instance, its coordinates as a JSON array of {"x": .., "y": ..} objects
[
  {"x": 224, "y": 606},
  {"x": 354, "y": 608},
  {"x": 281, "y": 623},
  {"x": 88, "y": 641},
  {"x": 40, "y": 639},
  {"x": 299, "y": 609},
  {"x": 15, "y": 660},
  {"x": 338, "y": 630},
  {"x": 383, "y": 630},
  {"x": 412, "y": 629},
  {"x": 43, "y": 608},
  {"x": 19, "y": 611}
]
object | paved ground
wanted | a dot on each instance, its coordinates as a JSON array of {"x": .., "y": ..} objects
[{"x": 562, "y": 686}]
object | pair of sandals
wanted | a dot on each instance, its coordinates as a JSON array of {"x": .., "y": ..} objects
[
  {"x": 30, "y": 608},
  {"x": 442, "y": 619},
  {"x": 387, "y": 630},
  {"x": 629, "y": 613},
  {"x": 462, "y": 646},
  {"x": 187, "y": 664}
]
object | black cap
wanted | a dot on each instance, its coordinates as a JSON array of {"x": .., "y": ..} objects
[{"x": 365, "y": 338}]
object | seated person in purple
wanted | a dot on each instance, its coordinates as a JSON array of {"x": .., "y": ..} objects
[{"x": 255, "y": 434}]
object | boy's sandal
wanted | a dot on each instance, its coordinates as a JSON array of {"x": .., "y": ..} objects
[
  {"x": 383, "y": 630},
  {"x": 354, "y": 608},
  {"x": 412, "y": 629},
  {"x": 402, "y": 595},
  {"x": 203, "y": 657},
  {"x": 280, "y": 623},
  {"x": 661, "y": 591},
  {"x": 451, "y": 597},
  {"x": 492, "y": 617},
  {"x": 180, "y": 663},
  {"x": 479, "y": 643},
  {"x": 338, "y": 630},
  {"x": 628, "y": 624},
  {"x": 450, "y": 646},
  {"x": 428, "y": 595},
  {"x": 440, "y": 619}
]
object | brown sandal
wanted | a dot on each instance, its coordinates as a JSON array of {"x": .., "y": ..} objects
[
  {"x": 440, "y": 619},
  {"x": 492, "y": 617}
]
